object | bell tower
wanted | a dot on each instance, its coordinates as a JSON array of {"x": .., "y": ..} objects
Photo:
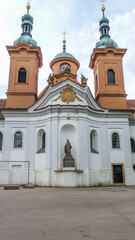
[
  {"x": 106, "y": 61},
  {"x": 25, "y": 61},
  {"x": 64, "y": 66}
]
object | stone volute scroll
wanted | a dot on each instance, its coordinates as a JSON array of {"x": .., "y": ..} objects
[{"x": 68, "y": 160}]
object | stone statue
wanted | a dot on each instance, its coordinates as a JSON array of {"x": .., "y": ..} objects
[
  {"x": 67, "y": 69},
  {"x": 68, "y": 160},
  {"x": 83, "y": 80},
  {"x": 50, "y": 80},
  {"x": 68, "y": 148}
]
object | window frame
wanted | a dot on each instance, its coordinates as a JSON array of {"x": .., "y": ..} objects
[
  {"x": 119, "y": 143},
  {"x": 17, "y": 147},
  {"x": 67, "y": 64},
  {"x": 132, "y": 147},
  {"x": 19, "y": 75},
  {"x": 94, "y": 141},
  {"x": 1, "y": 142},
  {"x": 114, "y": 78}
]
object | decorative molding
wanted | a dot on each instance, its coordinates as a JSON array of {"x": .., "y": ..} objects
[{"x": 68, "y": 95}]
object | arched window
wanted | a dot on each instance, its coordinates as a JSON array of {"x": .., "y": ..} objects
[
  {"x": 22, "y": 75},
  {"x": 1, "y": 140},
  {"x": 115, "y": 140},
  {"x": 65, "y": 68},
  {"x": 94, "y": 141},
  {"x": 96, "y": 84},
  {"x": 132, "y": 141},
  {"x": 110, "y": 76},
  {"x": 18, "y": 137},
  {"x": 41, "y": 139}
]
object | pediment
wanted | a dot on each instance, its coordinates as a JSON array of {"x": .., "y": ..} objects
[{"x": 66, "y": 93}]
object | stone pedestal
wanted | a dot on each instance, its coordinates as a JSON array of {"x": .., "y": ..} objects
[{"x": 68, "y": 162}]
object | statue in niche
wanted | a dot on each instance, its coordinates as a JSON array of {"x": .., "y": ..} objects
[
  {"x": 68, "y": 148},
  {"x": 67, "y": 69},
  {"x": 83, "y": 80},
  {"x": 51, "y": 80},
  {"x": 68, "y": 160}
]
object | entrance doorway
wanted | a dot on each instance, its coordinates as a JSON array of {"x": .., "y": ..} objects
[{"x": 118, "y": 173}]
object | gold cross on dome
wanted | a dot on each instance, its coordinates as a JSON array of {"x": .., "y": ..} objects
[
  {"x": 64, "y": 35},
  {"x": 103, "y": 6},
  {"x": 102, "y": 1},
  {"x": 28, "y": 3}
]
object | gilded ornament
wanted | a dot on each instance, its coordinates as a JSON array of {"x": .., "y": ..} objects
[{"x": 68, "y": 95}]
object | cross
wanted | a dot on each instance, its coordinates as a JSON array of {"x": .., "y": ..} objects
[
  {"x": 28, "y": 6},
  {"x": 64, "y": 35},
  {"x": 102, "y": 1}
]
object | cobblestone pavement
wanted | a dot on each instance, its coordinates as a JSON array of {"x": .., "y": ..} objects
[{"x": 68, "y": 214}]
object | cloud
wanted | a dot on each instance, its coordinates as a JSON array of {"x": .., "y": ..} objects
[{"x": 76, "y": 17}]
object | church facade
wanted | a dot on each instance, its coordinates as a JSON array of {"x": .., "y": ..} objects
[{"x": 65, "y": 136}]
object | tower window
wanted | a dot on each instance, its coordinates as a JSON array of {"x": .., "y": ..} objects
[
  {"x": 1, "y": 140},
  {"x": 132, "y": 144},
  {"x": 115, "y": 140},
  {"x": 22, "y": 75},
  {"x": 65, "y": 68},
  {"x": 110, "y": 76},
  {"x": 18, "y": 140},
  {"x": 96, "y": 84}
]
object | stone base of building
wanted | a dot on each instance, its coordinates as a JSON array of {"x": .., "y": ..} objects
[{"x": 67, "y": 177}]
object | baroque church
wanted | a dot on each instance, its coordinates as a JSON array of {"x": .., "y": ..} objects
[{"x": 65, "y": 136}]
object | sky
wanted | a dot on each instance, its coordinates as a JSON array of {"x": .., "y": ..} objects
[{"x": 80, "y": 19}]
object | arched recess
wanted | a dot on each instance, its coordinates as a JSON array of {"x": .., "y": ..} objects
[
  {"x": 94, "y": 141},
  {"x": 41, "y": 141},
  {"x": 18, "y": 139},
  {"x": 115, "y": 140},
  {"x": 68, "y": 131},
  {"x": 1, "y": 140},
  {"x": 22, "y": 74},
  {"x": 132, "y": 141},
  {"x": 65, "y": 67},
  {"x": 110, "y": 76}
]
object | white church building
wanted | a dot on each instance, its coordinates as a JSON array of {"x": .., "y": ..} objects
[{"x": 65, "y": 136}]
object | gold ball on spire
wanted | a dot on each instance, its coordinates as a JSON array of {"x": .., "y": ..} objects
[
  {"x": 28, "y": 5},
  {"x": 103, "y": 6}
]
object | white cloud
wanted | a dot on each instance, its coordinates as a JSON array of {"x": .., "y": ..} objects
[{"x": 78, "y": 18}]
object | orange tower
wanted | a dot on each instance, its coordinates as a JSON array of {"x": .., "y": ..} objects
[
  {"x": 64, "y": 66},
  {"x": 25, "y": 60},
  {"x": 106, "y": 60}
]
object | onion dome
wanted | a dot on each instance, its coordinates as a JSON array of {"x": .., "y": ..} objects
[
  {"x": 104, "y": 29},
  {"x": 64, "y": 53},
  {"x": 27, "y": 26}
]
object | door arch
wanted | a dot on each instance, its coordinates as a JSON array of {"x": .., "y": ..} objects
[{"x": 68, "y": 131}]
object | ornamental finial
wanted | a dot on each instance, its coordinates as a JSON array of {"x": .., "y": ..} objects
[
  {"x": 64, "y": 41},
  {"x": 103, "y": 6},
  {"x": 28, "y": 6}
]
